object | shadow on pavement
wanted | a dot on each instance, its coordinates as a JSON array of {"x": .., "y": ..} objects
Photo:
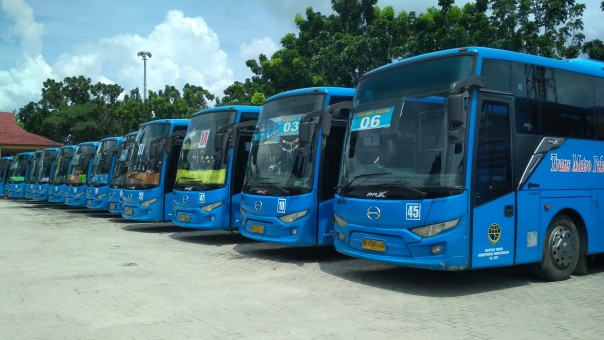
[
  {"x": 210, "y": 237},
  {"x": 159, "y": 228},
  {"x": 286, "y": 254},
  {"x": 431, "y": 282}
]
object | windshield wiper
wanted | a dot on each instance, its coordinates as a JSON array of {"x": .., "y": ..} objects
[
  {"x": 402, "y": 186},
  {"x": 193, "y": 180},
  {"x": 345, "y": 187}
]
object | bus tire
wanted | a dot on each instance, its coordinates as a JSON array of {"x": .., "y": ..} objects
[{"x": 561, "y": 248}]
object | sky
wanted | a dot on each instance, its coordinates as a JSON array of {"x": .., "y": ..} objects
[{"x": 203, "y": 43}]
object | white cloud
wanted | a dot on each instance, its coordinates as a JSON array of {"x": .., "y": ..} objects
[
  {"x": 253, "y": 49},
  {"x": 26, "y": 29},
  {"x": 184, "y": 50}
]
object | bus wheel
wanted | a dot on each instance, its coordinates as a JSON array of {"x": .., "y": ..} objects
[{"x": 560, "y": 250}]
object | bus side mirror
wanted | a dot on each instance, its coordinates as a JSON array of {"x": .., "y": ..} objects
[
  {"x": 456, "y": 117},
  {"x": 304, "y": 133},
  {"x": 326, "y": 125}
]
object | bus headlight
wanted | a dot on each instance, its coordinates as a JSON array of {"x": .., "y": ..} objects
[
  {"x": 210, "y": 207},
  {"x": 79, "y": 194},
  {"x": 149, "y": 202},
  {"x": 292, "y": 217},
  {"x": 434, "y": 229},
  {"x": 339, "y": 221},
  {"x": 100, "y": 197}
]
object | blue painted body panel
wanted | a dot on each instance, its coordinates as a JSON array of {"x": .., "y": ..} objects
[
  {"x": 187, "y": 204},
  {"x": 314, "y": 228},
  {"x": 568, "y": 179}
]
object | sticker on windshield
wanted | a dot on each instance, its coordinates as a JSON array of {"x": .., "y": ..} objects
[
  {"x": 274, "y": 128},
  {"x": 203, "y": 140},
  {"x": 374, "y": 119}
]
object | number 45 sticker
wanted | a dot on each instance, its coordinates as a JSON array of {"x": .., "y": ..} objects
[{"x": 414, "y": 211}]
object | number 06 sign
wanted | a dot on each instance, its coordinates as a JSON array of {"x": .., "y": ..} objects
[{"x": 374, "y": 119}]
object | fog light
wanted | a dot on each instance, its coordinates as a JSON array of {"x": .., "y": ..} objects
[
  {"x": 437, "y": 249},
  {"x": 212, "y": 218},
  {"x": 294, "y": 231},
  {"x": 341, "y": 236}
]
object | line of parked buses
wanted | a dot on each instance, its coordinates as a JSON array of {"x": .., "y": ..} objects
[{"x": 452, "y": 160}]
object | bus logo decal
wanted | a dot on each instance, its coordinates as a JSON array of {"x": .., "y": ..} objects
[
  {"x": 141, "y": 195},
  {"x": 373, "y": 213},
  {"x": 494, "y": 233},
  {"x": 185, "y": 199},
  {"x": 281, "y": 205},
  {"x": 257, "y": 205},
  {"x": 413, "y": 211},
  {"x": 202, "y": 198}
]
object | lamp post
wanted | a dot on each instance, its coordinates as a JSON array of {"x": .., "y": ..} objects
[{"x": 145, "y": 55}]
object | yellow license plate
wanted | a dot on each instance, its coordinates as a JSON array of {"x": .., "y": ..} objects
[
  {"x": 112, "y": 206},
  {"x": 185, "y": 218},
  {"x": 128, "y": 211},
  {"x": 257, "y": 229},
  {"x": 374, "y": 245}
]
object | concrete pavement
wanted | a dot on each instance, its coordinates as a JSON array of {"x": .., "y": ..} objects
[{"x": 72, "y": 273}]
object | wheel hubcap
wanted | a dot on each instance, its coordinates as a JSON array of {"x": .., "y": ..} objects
[{"x": 563, "y": 246}]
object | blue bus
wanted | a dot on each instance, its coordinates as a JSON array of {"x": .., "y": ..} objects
[
  {"x": 287, "y": 194},
  {"x": 102, "y": 173},
  {"x": 44, "y": 170},
  {"x": 148, "y": 190},
  {"x": 79, "y": 174},
  {"x": 120, "y": 168},
  {"x": 17, "y": 173},
  {"x": 473, "y": 158},
  {"x": 211, "y": 168},
  {"x": 58, "y": 178},
  {"x": 30, "y": 179},
  {"x": 5, "y": 163}
]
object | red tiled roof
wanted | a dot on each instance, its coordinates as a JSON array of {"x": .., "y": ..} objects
[{"x": 13, "y": 134}]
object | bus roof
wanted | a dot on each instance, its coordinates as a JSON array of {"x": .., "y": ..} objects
[
  {"x": 238, "y": 108},
  {"x": 89, "y": 143},
  {"x": 71, "y": 146},
  {"x": 133, "y": 133},
  {"x": 574, "y": 65},
  {"x": 118, "y": 138},
  {"x": 169, "y": 121},
  {"x": 336, "y": 91}
]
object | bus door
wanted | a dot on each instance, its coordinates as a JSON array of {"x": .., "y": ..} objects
[
  {"x": 171, "y": 154},
  {"x": 493, "y": 195},
  {"x": 241, "y": 151}
]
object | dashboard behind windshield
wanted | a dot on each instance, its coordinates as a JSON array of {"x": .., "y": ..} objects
[
  {"x": 398, "y": 140},
  {"x": 144, "y": 170},
  {"x": 200, "y": 166},
  {"x": 274, "y": 164}
]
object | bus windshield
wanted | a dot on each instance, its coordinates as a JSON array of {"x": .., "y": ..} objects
[
  {"x": 144, "y": 170},
  {"x": 59, "y": 175},
  {"x": 200, "y": 166},
  {"x": 397, "y": 146},
  {"x": 121, "y": 162},
  {"x": 3, "y": 169},
  {"x": 78, "y": 173},
  {"x": 42, "y": 175},
  {"x": 275, "y": 167},
  {"x": 18, "y": 168},
  {"x": 34, "y": 167},
  {"x": 101, "y": 168}
]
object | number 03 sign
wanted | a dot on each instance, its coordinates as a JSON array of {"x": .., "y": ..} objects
[{"x": 374, "y": 119}]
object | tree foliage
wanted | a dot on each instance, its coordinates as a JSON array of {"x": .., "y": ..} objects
[{"x": 328, "y": 50}]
